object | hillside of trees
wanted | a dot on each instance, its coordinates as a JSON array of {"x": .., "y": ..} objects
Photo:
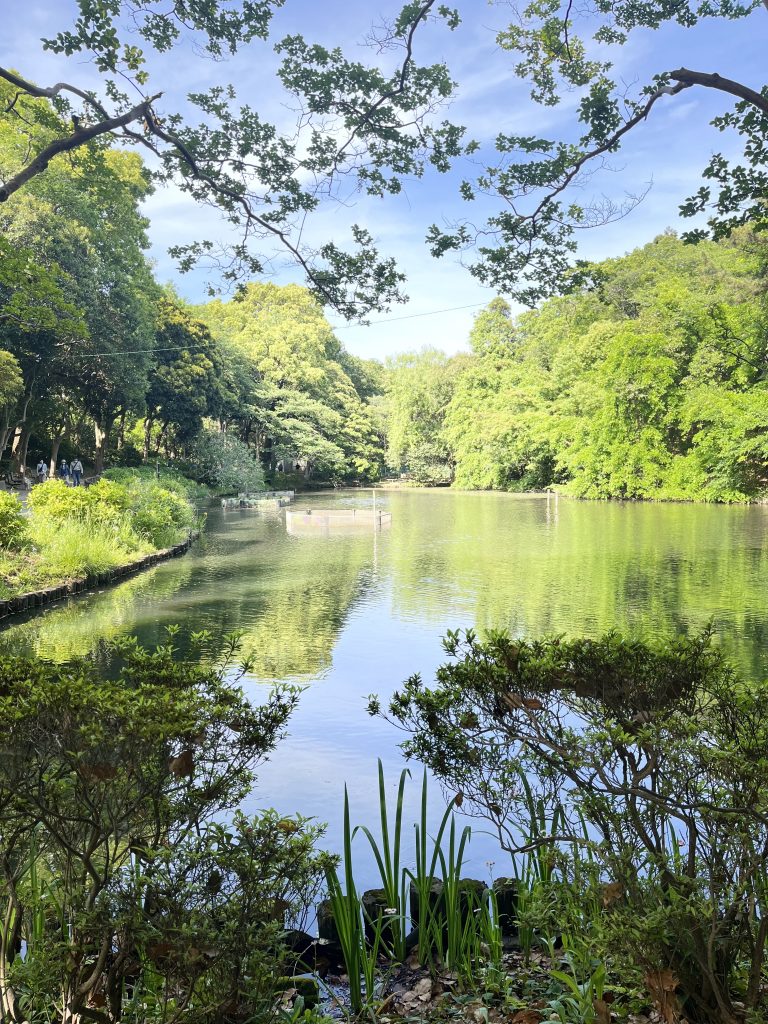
[
  {"x": 645, "y": 380},
  {"x": 648, "y": 380}
]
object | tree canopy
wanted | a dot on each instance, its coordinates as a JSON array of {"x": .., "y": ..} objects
[
  {"x": 100, "y": 357},
  {"x": 357, "y": 127},
  {"x": 300, "y": 405},
  {"x": 540, "y": 186}
]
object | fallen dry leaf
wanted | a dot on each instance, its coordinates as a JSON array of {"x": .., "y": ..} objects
[
  {"x": 602, "y": 1011},
  {"x": 661, "y": 986},
  {"x": 612, "y": 892}
]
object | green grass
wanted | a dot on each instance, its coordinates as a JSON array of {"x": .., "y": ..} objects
[
  {"x": 72, "y": 549},
  {"x": 76, "y": 533}
]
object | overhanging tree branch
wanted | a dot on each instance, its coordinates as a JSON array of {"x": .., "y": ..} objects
[
  {"x": 687, "y": 78},
  {"x": 78, "y": 138}
]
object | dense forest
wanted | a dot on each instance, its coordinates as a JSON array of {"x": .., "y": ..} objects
[
  {"x": 97, "y": 359},
  {"x": 648, "y": 380},
  {"x": 645, "y": 380}
]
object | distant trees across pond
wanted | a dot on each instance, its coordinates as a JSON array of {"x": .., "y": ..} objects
[{"x": 648, "y": 380}]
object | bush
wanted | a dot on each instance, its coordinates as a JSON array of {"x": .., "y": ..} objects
[
  {"x": 55, "y": 500},
  {"x": 129, "y": 877},
  {"x": 159, "y": 514},
  {"x": 13, "y": 525},
  {"x": 171, "y": 479},
  {"x": 225, "y": 463},
  {"x": 130, "y": 507},
  {"x": 636, "y": 773}
]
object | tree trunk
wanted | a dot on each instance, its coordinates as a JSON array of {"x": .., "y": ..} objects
[
  {"x": 121, "y": 431},
  {"x": 162, "y": 439},
  {"x": 147, "y": 437},
  {"x": 6, "y": 429},
  {"x": 20, "y": 447},
  {"x": 101, "y": 435},
  {"x": 55, "y": 445}
]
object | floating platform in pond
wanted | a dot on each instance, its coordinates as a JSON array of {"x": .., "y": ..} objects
[{"x": 335, "y": 520}]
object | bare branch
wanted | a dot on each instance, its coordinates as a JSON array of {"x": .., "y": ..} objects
[
  {"x": 50, "y": 92},
  {"x": 688, "y": 78},
  {"x": 605, "y": 147},
  {"x": 403, "y": 77}
]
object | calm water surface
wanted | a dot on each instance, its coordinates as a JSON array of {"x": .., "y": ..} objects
[{"x": 357, "y": 612}]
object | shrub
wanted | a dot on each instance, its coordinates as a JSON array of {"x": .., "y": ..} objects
[
  {"x": 169, "y": 478},
  {"x": 55, "y": 500},
  {"x": 639, "y": 772},
  {"x": 159, "y": 514},
  {"x": 131, "y": 883},
  {"x": 133, "y": 509},
  {"x": 225, "y": 463},
  {"x": 13, "y": 525}
]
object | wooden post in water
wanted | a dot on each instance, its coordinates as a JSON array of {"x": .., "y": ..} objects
[{"x": 375, "y": 536}]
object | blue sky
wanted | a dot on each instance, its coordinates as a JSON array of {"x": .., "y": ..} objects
[{"x": 668, "y": 152}]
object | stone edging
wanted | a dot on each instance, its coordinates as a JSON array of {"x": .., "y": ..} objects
[{"x": 49, "y": 595}]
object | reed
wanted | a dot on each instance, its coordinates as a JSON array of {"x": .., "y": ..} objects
[
  {"x": 457, "y": 930},
  {"x": 360, "y": 959},
  {"x": 387, "y": 855}
]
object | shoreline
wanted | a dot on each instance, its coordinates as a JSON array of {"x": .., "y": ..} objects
[
  {"x": 556, "y": 493},
  {"x": 47, "y": 596}
]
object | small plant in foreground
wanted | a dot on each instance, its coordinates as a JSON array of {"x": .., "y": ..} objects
[
  {"x": 457, "y": 930},
  {"x": 360, "y": 958},
  {"x": 387, "y": 855}
]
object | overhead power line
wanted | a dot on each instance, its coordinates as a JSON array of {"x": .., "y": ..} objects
[
  {"x": 412, "y": 316},
  {"x": 342, "y": 327}
]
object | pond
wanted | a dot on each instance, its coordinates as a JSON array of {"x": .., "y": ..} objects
[{"x": 354, "y": 612}]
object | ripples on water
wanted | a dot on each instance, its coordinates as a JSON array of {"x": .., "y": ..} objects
[{"x": 355, "y": 613}]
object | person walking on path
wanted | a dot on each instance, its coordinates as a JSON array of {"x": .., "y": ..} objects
[
  {"x": 76, "y": 469},
  {"x": 42, "y": 471},
  {"x": 64, "y": 471}
]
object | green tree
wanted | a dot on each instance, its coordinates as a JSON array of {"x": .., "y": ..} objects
[
  {"x": 184, "y": 383},
  {"x": 527, "y": 248},
  {"x": 635, "y": 773},
  {"x": 647, "y": 382},
  {"x": 495, "y": 422},
  {"x": 420, "y": 387},
  {"x": 11, "y": 389},
  {"x": 297, "y": 404},
  {"x": 117, "y": 866},
  {"x": 86, "y": 230},
  {"x": 355, "y": 127}
]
